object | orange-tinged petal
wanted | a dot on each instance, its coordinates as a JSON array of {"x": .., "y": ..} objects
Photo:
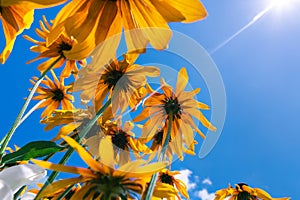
[
  {"x": 192, "y": 10},
  {"x": 37, "y": 3},
  {"x": 151, "y": 23},
  {"x": 166, "y": 9},
  {"x": 135, "y": 38}
]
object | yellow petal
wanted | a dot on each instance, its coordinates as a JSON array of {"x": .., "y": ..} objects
[
  {"x": 151, "y": 23},
  {"x": 106, "y": 154},
  {"x": 37, "y": 3},
  {"x": 182, "y": 80},
  {"x": 52, "y": 188},
  {"x": 147, "y": 170},
  {"x": 192, "y": 10},
  {"x": 63, "y": 168},
  {"x": 163, "y": 190},
  {"x": 85, "y": 156}
]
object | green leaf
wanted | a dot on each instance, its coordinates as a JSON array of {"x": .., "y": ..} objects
[{"x": 32, "y": 150}]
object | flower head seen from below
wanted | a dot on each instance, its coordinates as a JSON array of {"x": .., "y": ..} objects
[
  {"x": 56, "y": 50},
  {"x": 244, "y": 192},
  {"x": 93, "y": 22},
  {"x": 102, "y": 179},
  {"x": 122, "y": 80},
  {"x": 124, "y": 141},
  {"x": 166, "y": 176},
  {"x": 182, "y": 106},
  {"x": 53, "y": 93},
  {"x": 16, "y": 16}
]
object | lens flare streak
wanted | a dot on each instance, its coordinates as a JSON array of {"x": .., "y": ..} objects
[{"x": 255, "y": 19}]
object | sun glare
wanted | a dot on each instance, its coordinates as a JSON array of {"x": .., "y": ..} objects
[{"x": 283, "y": 4}]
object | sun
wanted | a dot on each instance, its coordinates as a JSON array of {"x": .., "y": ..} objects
[{"x": 282, "y": 4}]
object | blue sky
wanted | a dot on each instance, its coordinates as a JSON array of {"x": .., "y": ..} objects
[{"x": 260, "y": 68}]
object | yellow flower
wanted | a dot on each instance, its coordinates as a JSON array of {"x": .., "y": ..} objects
[
  {"x": 123, "y": 80},
  {"x": 123, "y": 141},
  {"x": 17, "y": 15},
  {"x": 183, "y": 107},
  {"x": 101, "y": 179},
  {"x": 166, "y": 176},
  {"x": 58, "y": 48},
  {"x": 54, "y": 93},
  {"x": 91, "y": 22},
  {"x": 243, "y": 192}
]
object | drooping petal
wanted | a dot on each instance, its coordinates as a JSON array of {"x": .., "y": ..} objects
[
  {"x": 85, "y": 156},
  {"x": 63, "y": 168},
  {"x": 52, "y": 188},
  {"x": 191, "y": 10}
]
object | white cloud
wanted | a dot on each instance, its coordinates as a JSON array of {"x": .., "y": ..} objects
[
  {"x": 207, "y": 181},
  {"x": 184, "y": 176},
  {"x": 205, "y": 195}
]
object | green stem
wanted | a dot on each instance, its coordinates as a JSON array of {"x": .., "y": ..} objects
[
  {"x": 65, "y": 193},
  {"x": 23, "y": 109},
  {"x": 153, "y": 180},
  {"x": 54, "y": 174},
  {"x": 91, "y": 123},
  {"x": 82, "y": 133}
]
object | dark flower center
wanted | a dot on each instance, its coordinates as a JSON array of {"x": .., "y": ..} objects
[
  {"x": 0, "y": 10},
  {"x": 158, "y": 137},
  {"x": 120, "y": 139},
  {"x": 111, "y": 187},
  {"x": 58, "y": 95},
  {"x": 172, "y": 105},
  {"x": 112, "y": 77},
  {"x": 166, "y": 178},
  {"x": 244, "y": 195},
  {"x": 64, "y": 46}
]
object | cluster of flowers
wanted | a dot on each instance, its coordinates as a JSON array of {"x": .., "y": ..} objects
[{"x": 120, "y": 165}]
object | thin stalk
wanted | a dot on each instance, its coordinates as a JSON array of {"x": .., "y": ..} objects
[
  {"x": 153, "y": 180},
  {"x": 30, "y": 112},
  {"x": 24, "y": 107},
  {"x": 88, "y": 127},
  {"x": 55, "y": 173},
  {"x": 82, "y": 133},
  {"x": 65, "y": 192}
]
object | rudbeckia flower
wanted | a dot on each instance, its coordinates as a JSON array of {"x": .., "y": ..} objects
[
  {"x": 123, "y": 80},
  {"x": 123, "y": 140},
  {"x": 102, "y": 180},
  {"x": 243, "y": 192},
  {"x": 168, "y": 177},
  {"x": 182, "y": 106},
  {"x": 91, "y": 22},
  {"x": 17, "y": 15},
  {"x": 54, "y": 93},
  {"x": 57, "y": 49}
]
